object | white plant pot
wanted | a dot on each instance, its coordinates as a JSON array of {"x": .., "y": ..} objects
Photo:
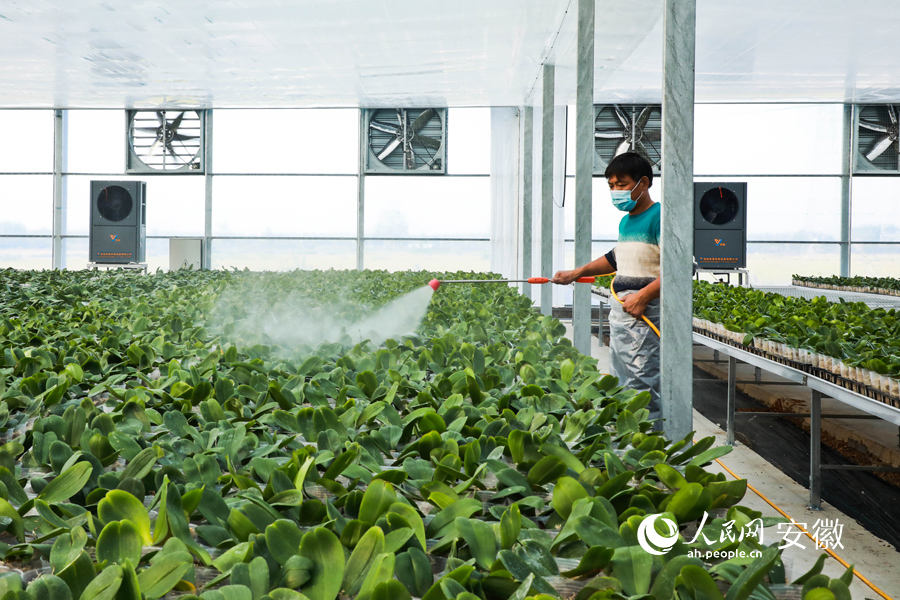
[
  {"x": 866, "y": 377},
  {"x": 845, "y": 370},
  {"x": 895, "y": 388}
]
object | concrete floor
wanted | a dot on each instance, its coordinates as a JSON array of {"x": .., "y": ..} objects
[{"x": 874, "y": 558}]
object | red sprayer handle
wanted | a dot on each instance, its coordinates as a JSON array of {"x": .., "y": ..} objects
[{"x": 586, "y": 280}]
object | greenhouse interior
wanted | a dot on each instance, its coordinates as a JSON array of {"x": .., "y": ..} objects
[{"x": 507, "y": 300}]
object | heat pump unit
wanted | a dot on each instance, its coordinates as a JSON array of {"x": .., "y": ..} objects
[
  {"x": 165, "y": 141},
  {"x": 622, "y": 128},
  {"x": 118, "y": 221},
  {"x": 405, "y": 141},
  {"x": 720, "y": 225},
  {"x": 876, "y": 144}
]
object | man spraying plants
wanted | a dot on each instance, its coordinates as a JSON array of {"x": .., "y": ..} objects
[{"x": 634, "y": 344}]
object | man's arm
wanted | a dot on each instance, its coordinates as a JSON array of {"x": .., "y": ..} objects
[
  {"x": 599, "y": 266},
  {"x": 634, "y": 304}
]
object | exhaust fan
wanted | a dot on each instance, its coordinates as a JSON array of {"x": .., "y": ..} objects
[
  {"x": 406, "y": 141},
  {"x": 622, "y": 128},
  {"x": 876, "y": 146},
  {"x": 165, "y": 141}
]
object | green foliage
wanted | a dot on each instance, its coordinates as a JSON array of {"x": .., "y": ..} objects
[{"x": 174, "y": 422}]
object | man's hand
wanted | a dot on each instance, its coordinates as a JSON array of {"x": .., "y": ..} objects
[
  {"x": 565, "y": 277},
  {"x": 635, "y": 304}
]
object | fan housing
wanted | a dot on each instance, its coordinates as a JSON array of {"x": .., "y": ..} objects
[
  {"x": 407, "y": 141},
  {"x": 620, "y": 128},
  {"x": 165, "y": 141},
  {"x": 876, "y": 145}
]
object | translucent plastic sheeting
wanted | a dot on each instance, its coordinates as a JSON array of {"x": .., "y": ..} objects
[
  {"x": 26, "y": 204},
  {"x": 31, "y": 151},
  {"x": 283, "y": 53},
  {"x": 768, "y": 139},
  {"x": 875, "y": 212},
  {"x": 286, "y": 141},
  {"x": 430, "y": 255},
  {"x": 25, "y": 253},
  {"x": 875, "y": 260},
  {"x": 96, "y": 141},
  {"x": 400, "y": 206},
  {"x": 284, "y": 206},
  {"x": 773, "y": 264},
  {"x": 760, "y": 51},
  {"x": 505, "y": 232},
  {"x": 286, "y": 53},
  {"x": 283, "y": 255}
]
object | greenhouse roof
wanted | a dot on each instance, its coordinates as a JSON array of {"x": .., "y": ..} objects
[{"x": 288, "y": 53}]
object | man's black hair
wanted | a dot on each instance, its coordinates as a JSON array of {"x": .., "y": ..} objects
[{"x": 632, "y": 164}]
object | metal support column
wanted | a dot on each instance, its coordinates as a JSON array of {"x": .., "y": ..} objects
[
  {"x": 547, "y": 118},
  {"x": 527, "y": 166},
  {"x": 677, "y": 215},
  {"x": 208, "y": 216},
  {"x": 729, "y": 417},
  {"x": 846, "y": 188},
  {"x": 60, "y": 166},
  {"x": 361, "y": 195},
  {"x": 584, "y": 170},
  {"x": 815, "y": 451}
]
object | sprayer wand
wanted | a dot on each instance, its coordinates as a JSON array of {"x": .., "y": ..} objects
[{"x": 435, "y": 284}]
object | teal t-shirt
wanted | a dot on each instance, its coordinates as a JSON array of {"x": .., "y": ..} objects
[{"x": 636, "y": 255}]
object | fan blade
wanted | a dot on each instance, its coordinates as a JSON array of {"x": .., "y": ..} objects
[
  {"x": 422, "y": 119},
  {"x": 174, "y": 154},
  {"x": 644, "y": 116},
  {"x": 872, "y": 126},
  {"x": 180, "y": 137},
  {"x": 428, "y": 141},
  {"x": 388, "y": 148},
  {"x": 153, "y": 129},
  {"x": 177, "y": 122},
  {"x": 154, "y": 148},
  {"x": 609, "y": 135},
  {"x": 622, "y": 118},
  {"x": 879, "y": 148},
  {"x": 640, "y": 149},
  {"x": 161, "y": 117},
  {"x": 623, "y": 147},
  {"x": 892, "y": 113},
  {"x": 652, "y": 135},
  {"x": 391, "y": 129}
]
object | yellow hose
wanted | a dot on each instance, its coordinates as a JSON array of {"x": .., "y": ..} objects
[
  {"x": 830, "y": 552},
  {"x": 808, "y": 534},
  {"x": 644, "y": 317}
]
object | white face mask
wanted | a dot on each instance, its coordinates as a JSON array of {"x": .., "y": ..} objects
[{"x": 622, "y": 200}]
